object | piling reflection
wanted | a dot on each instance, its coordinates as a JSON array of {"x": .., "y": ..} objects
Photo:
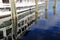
[
  {"x": 54, "y": 11},
  {"x": 46, "y": 9},
  {"x": 54, "y": 7},
  {"x": 46, "y": 14}
]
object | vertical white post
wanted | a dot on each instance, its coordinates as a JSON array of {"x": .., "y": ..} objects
[
  {"x": 4, "y": 32},
  {"x": 14, "y": 19}
]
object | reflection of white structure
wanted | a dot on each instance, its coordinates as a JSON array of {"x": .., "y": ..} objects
[
  {"x": 25, "y": 13},
  {"x": 5, "y": 3}
]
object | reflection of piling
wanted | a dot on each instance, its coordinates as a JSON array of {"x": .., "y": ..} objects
[
  {"x": 54, "y": 4},
  {"x": 54, "y": 10},
  {"x": 46, "y": 14},
  {"x": 47, "y": 2},
  {"x": 54, "y": 7},
  {"x": 14, "y": 19},
  {"x": 46, "y": 9},
  {"x": 36, "y": 11}
]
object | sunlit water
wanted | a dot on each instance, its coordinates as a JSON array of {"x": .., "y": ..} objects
[{"x": 47, "y": 28}]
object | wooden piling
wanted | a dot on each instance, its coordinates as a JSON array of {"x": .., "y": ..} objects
[
  {"x": 14, "y": 19},
  {"x": 47, "y": 3},
  {"x": 36, "y": 11}
]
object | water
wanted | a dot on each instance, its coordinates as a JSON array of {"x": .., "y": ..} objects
[{"x": 48, "y": 27}]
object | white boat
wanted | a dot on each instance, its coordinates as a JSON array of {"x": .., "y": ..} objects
[{"x": 25, "y": 12}]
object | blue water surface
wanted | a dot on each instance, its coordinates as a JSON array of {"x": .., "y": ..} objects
[{"x": 46, "y": 29}]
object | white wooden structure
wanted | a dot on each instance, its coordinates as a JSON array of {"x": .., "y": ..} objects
[{"x": 25, "y": 14}]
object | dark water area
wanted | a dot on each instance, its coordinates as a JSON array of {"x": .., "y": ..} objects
[{"x": 47, "y": 28}]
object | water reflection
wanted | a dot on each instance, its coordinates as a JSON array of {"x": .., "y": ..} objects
[
  {"x": 46, "y": 14},
  {"x": 54, "y": 7},
  {"x": 54, "y": 11},
  {"x": 47, "y": 30}
]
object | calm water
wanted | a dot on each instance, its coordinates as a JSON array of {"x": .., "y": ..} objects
[{"x": 48, "y": 27}]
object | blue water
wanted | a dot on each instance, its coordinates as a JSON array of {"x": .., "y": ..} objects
[{"x": 46, "y": 29}]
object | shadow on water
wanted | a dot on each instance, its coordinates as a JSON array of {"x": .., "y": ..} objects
[{"x": 52, "y": 25}]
